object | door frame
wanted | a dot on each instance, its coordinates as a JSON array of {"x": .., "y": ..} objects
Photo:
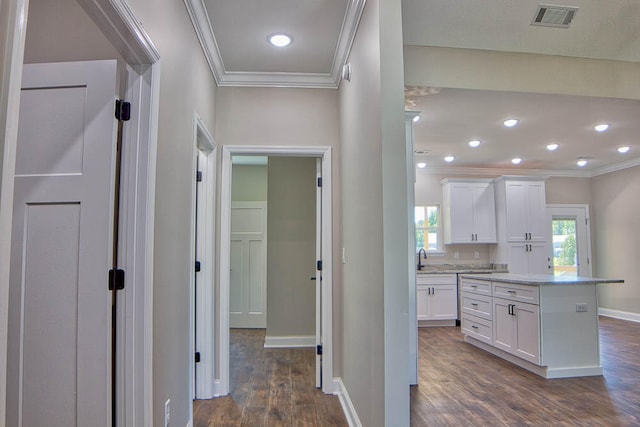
[
  {"x": 124, "y": 31},
  {"x": 222, "y": 353},
  {"x": 203, "y": 309},
  {"x": 571, "y": 210}
]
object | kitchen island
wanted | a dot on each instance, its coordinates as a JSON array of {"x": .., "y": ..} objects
[{"x": 545, "y": 324}]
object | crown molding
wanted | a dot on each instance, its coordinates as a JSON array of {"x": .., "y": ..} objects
[
  {"x": 616, "y": 167},
  {"x": 204, "y": 31}
]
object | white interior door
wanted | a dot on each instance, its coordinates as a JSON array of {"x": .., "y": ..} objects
[
  {"x": 59, "y": 358},
  {"x": 248, "y": 285}
]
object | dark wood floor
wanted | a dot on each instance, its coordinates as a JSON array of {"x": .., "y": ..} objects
[
  {"x": 269, "y": 387},
  {"x": 460, "y": 385}
]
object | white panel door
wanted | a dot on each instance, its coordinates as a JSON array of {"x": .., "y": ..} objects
[
  {"x": 503, "y": 325},
  {"x": 443, "y": 303},
  {"x": 461, "y": 213},
  {"x": 484, "y": 213},
  {"x": 527, "y": 343},
  {"x": 248, "y": 286},
  {"x": 60, "y": 307}
]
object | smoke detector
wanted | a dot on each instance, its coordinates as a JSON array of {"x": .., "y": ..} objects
[{"x": 554, "y": 16}]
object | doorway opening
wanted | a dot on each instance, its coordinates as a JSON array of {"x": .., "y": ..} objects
[
  {"x": 324, "y": 311},
  {"x": 571, "y": 240}
]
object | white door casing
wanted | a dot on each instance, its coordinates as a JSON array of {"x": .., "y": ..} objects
[
  {"x": 318, "y": 282},
  {"x": 60, "y": 312},
  {"x": 328, "y": 385},
  {"x": 202, "y": 307},
  {"x": 248, "y": 272}
]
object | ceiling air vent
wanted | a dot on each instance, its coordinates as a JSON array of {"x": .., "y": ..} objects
[{"x": 554, "y": 16}]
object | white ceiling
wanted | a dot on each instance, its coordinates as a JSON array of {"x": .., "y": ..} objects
[
  {"x": 453, "y": 117},
  {"x": 233, "y": 35}
]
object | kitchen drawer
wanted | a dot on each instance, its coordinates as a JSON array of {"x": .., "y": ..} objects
[
  {"x": 477, "y": 305},
  {"x": 479, "y": 287},
  {"x": 480, "y": 329},
  {"x": 437, "y": 279},
  {"x": 513, "y": 292}
]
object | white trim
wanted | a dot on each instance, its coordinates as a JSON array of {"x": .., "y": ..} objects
[
  {"x": 347, "y": 405},
  {"x": 618, "y": 314},
  {"x": 203, "y": 29},
  {"x": 327, "y": 253},
  {"x": 290, "y": 341},
  {"x": 411, "y": 245},
  {"x": 203, "y": 310},
  {"x": 13, "y": 26},
  {"x": 616, "y": 167},
  {"x": 552, "y": 210},
  {"x": 190, "y": 423}
]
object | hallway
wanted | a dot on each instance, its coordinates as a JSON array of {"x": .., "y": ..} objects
[{"x": 269, "y": 387}]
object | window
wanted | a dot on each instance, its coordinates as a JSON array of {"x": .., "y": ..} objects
[{"x": 427, "y": 220}]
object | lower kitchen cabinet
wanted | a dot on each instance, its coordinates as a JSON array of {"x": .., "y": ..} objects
[
  {"x": 437, "y": 299},
  {"x": 517, "y": 328}
]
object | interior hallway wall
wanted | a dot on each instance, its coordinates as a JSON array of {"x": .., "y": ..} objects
[
  {"x": 375, "y": 296},
  {"x": 186, "y": 87},
  {"x": 291, "y": 247}
]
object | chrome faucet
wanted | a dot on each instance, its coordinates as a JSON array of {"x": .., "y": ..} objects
[{"x": 420, "y": 252}]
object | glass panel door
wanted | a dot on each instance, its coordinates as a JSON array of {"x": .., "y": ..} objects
[{"x": 565, "y": 247}]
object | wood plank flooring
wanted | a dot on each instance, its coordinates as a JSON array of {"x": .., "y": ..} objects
[
  {"x": 269, "y": 387},
  {"x": 460, "y": 385}
]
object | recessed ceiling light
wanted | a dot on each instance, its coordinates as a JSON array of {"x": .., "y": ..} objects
[
  {"x": 516, "y": 160},
  {"x": 552, "y": 147},
  {"x": 474, "y": 143},
  {"x": 416, "y": 118},
  {"x": 581, "y": 162},
  {"x": 280, "y": 40},
  {"x": 511, "y": 122},
  {"x": 422, "y": 165},
  {"x": 624, "y": 149},
  {"x": 601, "y": 127},
  {"x": 449, "y": 159}
]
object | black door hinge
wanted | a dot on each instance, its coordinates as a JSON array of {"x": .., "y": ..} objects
[
  {"x": 199, "y": 176},
  {"x": 197, "y": 357},
  {"x": 197, "y": 266},
  {"x": 319, "y": 265},
  {"x": 319, "y": 349},
  {"x": 319, "y": 181},
  {"x": 123, "y": 110},
  {"x": 116, "y": 279}
]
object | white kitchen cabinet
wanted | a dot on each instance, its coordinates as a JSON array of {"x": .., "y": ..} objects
[
  {"x": 437, "y": 299},
  {"x": 526, "y": 210},
  {"x": 529, "y": 258},
  {"x": 468, "y": 211},
  {"x": 516, "y": 328},
  {"x": 523, "y": 228}
]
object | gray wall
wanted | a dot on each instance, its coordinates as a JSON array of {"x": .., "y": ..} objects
[
  {"x": 186, "y": 86},
  {"x": 375, "y": 296},
  {"x": 616, "y": 202},
  {"x": 248, "y": 183},
  {"x": 291, "y": 246}
]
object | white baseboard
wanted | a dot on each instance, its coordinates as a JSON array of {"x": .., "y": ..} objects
[
  {"x": 617, "y": 314},
  {"x": 190, "y": 423},
  {"x": 217, "y": 387},
  {"x": 289, "y": 341},
  {"x": 345, "y": 401}
]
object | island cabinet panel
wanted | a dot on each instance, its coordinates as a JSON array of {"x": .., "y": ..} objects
[
  {"x": 543, "y": 323},
  {"x": 469, "y": 212}
]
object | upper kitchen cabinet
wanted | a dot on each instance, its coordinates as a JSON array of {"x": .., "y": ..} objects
[
  {"x": 522, "y": 202},
  {"x": 469, "y": 211}
]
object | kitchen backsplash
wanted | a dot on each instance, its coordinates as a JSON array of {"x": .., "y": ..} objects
[{"x": 460, "y": 254}]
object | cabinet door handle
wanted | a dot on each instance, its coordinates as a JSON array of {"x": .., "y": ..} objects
[
  {"x": 511, "y": 291},
  {"x": 473, "y": 304},
  {"x": 433, "y": 291},
  {"x": 474, "y": 326}
]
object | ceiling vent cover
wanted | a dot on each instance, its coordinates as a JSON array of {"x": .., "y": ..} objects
[{"x": 554, "y": 16}]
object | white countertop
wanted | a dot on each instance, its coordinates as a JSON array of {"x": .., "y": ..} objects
[{"x": 540, "y": 279}]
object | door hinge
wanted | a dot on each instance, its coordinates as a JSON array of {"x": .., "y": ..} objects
[
  {"x": 116, "y": 279},
  {"x": 319, "y": 265},
  {"x": 123, "y": 110},
  {"x": 197, "y": 357},
  {"x": 197, "y": 266},
  {"x": 319, "y": 349},
  {"x": 199, "y": 176},
  {"x": 319, "y": 181}
]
